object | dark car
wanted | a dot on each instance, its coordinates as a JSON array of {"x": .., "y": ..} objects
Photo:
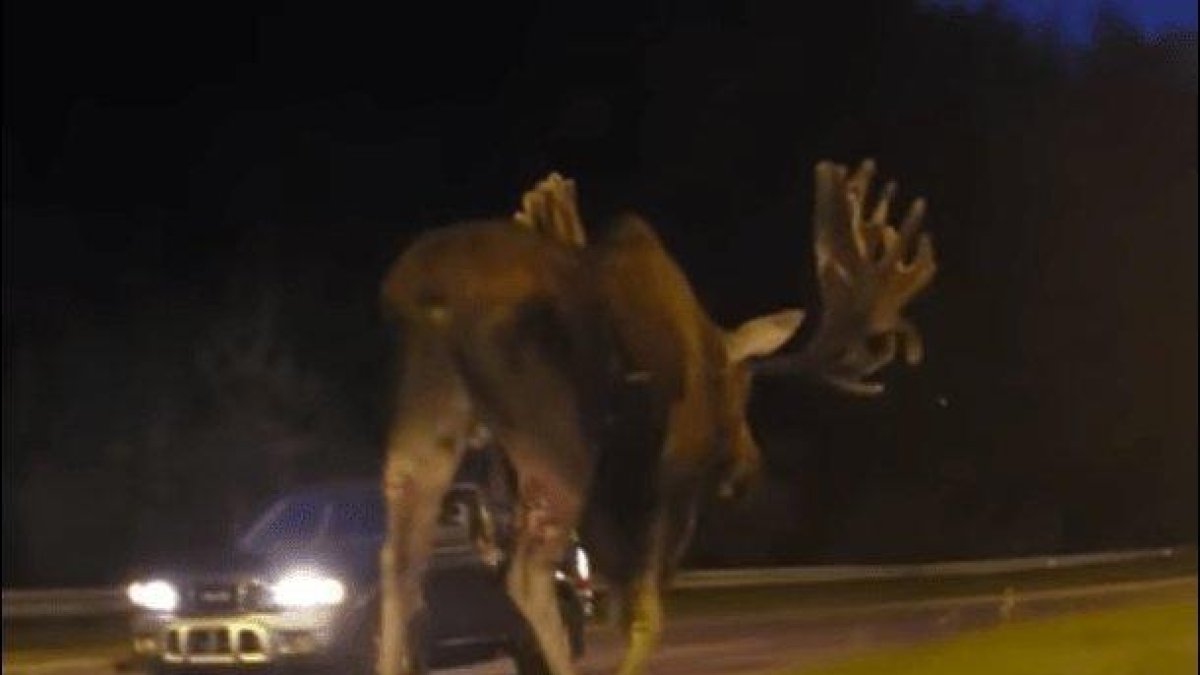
[{"x": 300, "y": 588}]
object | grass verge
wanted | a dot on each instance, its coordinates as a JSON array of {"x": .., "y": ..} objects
[
  {"x": 841, "y": 595},
  {"x": 1157, "y": 638}
]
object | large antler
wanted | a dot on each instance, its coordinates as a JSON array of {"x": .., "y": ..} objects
[{"x": 867, "y": 271}]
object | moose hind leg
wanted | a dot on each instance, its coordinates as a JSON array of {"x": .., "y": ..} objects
[
  {"x": 424, "y": 447},
  {"x": 546, "y": 515},
  {"x": 550, "y": 459},
  {"x": 519, "y": 378}
]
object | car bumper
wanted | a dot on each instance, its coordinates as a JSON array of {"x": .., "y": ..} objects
[{"x": 240, "y": 639}]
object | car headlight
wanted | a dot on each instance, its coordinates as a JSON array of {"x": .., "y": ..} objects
[
  {"x": 158, "y": 595},
  {"x": 307, "y": 589}
]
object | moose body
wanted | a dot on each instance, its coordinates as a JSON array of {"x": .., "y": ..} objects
[{"x": 619, "y": 403}]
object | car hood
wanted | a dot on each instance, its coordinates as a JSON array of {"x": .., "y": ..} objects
[{"x": 350, "y": 560}]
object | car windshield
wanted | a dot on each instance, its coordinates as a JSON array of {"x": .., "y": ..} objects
[
  {"x": 358, "y": 518},
  {"x": 352, "y": 515},
  {"x": 288, "y": 521},
  {"x": 295, "y": 519}
]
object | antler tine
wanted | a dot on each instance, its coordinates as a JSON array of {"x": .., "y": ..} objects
[
  {"x": 868, "y": 270},
  {"x": 880, "y": 214}
]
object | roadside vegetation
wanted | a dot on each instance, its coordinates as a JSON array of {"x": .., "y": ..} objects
[{"x": 1159, "y": 638}]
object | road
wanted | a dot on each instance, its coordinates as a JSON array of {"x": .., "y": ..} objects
[
  {"x": 754, "y": 643},
  {"x": 751, "y": 643}
]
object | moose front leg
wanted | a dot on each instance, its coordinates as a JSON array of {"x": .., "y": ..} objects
[
  {"x": 671, "y": 524},
  {"x": 671, "y": 529},
  {"x": 643, "y": 615}
]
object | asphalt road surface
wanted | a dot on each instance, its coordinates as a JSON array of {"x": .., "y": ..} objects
[
  {"x": 751, "y": 643},
  {"x": 733, "y": 645}
]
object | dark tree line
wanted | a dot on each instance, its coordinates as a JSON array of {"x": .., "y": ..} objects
[{"x": 190, "y": 268}]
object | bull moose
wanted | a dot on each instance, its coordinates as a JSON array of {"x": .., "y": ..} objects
[{"x": 620, "y": 404}]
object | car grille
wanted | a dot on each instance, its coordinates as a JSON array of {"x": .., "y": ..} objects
[
  {"x": 219, "y": 597},
  {"x": 215, "y": 597}
]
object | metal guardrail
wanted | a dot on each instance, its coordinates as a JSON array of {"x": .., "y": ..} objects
[
  {"x": 814, "y": 574},
  {"x": 64, "y": 603},
  {"x": 80, "y": 603}
]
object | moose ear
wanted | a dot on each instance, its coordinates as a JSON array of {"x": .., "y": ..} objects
[{"x": 762, "y": 335}]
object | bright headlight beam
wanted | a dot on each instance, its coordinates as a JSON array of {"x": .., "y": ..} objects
[
  {"x": 307, "y": 589},
  {"x": 157, "y": 595}
]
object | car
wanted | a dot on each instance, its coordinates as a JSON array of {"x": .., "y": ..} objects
[{"x": 300, "y": 590}]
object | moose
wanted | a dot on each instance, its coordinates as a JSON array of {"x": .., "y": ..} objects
[{"x": 620, "y": 404}]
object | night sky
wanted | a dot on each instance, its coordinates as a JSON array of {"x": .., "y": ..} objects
[
  {"x": 145, "y": 115},
  {"x": 172, "y": 177},
  {"x": 1075, "y": 17}
]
